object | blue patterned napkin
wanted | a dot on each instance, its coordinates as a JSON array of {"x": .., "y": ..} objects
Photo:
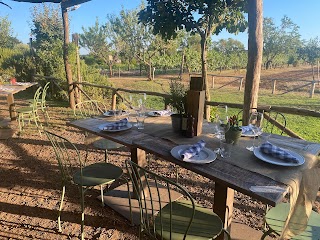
[
  {"x": 192, "y": 150},
  {"x": 277, "y": 152},
  {"x": 161, "y": 113},
  {"x": 116, "y": 125}
]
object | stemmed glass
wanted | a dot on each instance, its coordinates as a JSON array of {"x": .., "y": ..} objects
[
  {"x": 221, "y": 123},
  {"x": 256, "y": 125}
]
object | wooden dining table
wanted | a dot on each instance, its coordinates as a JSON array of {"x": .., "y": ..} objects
[
  {"x": 242, "y": 171},
  {"x": 8, "y": 91}
]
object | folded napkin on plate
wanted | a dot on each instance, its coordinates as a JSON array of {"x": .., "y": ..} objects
[
  {"x": 246, "y": 129},
  {"x": 161, "y": 113},
  {"x": 277, "y": 152},
  {"x": 116, "y": 125},
  {"x": 192, "y": 150}
]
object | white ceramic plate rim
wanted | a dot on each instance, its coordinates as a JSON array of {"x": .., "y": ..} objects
[
  {"x": 108, "y": 114},
  {"x": 270, "y": 159},
  {"x": 175, "y": 152},
  {"x": 151, "y": 114},
  {"x": 129, "y": 125}
]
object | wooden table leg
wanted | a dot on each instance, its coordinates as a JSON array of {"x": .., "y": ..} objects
[
  {"x": 223, "y": 205},
  {"x": 138, "y": 156},
  {"x": 12, "y": 112}
]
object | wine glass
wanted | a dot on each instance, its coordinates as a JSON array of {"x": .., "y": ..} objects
[
  {"x": 256, "y": 125},
  {"x": 220, "y": 123}
]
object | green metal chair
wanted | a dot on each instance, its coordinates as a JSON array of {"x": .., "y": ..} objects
[
  {"x": 74, "y": 170},
  {"x": 41, "y": 103},
  {"x": 164, "y": 218},
  {"x": 30, "y": 113},
  {"x": 91, "y": 108},
  {"x": 276, "y": 217}
]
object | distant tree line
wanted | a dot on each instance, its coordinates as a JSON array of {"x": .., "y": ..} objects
[{"x": 123, "y": 41}]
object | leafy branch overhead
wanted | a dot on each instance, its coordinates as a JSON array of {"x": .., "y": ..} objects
[{"x": 203, "y": 17}]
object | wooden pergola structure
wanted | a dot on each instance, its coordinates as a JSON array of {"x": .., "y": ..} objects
[{"x": 255, "y": 46}]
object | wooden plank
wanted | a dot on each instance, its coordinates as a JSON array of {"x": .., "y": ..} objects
[
  {"x": 195, "y": 107},
  {"x": 219, "y": 171},
  {"x": 91, "y": 125},
  {"x": 223, "y": 205},
  {"x": 11, "y": 105},
  {"x": 196, "y": 83}
]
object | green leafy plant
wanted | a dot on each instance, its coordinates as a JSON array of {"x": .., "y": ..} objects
[{"x": 178, "y": 96}]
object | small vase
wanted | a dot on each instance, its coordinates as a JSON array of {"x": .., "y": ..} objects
[{"x": 233, "y": 135}]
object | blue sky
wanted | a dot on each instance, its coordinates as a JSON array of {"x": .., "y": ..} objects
[{"x": 303, "y": 13}]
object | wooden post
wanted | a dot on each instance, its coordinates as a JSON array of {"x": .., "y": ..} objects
[
  {"x": 223, "y": 205},
  {"x": 195, "y": 106},
  {"x": 12, "y": 112},
  {"x": 274, "y": 86},
  {"x": 212, "y": 82},
  {"x": 313, "y": 86},
  {"x": 119, "y": 71},
  {"x": 67, "y": 66},
  {"x": 241, "y": 82},
  {"x": 114, "y": 100}
]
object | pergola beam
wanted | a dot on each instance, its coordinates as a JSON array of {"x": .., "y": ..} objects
[{"x": 64, "y": 3}]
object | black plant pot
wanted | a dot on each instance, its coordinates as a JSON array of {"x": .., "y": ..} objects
[{"x": 176, "y": 122}]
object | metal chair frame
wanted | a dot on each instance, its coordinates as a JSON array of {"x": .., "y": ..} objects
[
  {"x": 30, "y": 113},
  {"x": 68, "y": 157},
  {"x": 156, "y": 224}
]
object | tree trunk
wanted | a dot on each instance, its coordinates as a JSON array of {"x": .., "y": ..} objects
[
  {"x": 150, "y": 71},
  {"x": 182, "y": 64},
  {"x": 204, "y": 73},
  {"x": 66, "y": 57},
  {"x": 110, "y": 70},
  {"x": 255, "y": 48}
]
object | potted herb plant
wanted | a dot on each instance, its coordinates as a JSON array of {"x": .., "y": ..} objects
[
  {"x": 177, "y": 101},
  {"x": 234, "y": 131}
]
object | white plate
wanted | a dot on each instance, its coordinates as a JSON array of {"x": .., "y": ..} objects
[
  {"x": 205, "y": 156},
  {"x": 101, "y": 127},
  {"x": 153, "y": 114},
  {"x": 270, "y": 159},
  {"x": 110, "y": 113},
  {"x": 250, "y": 134}
]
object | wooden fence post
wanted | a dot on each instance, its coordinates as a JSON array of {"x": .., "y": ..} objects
[
  {"x": 114, "y": 100},
  {"x": 313, "y": 86},
  {"x": 274, "y": 86},
  {"x": 241, "y": 82},
  {"x": 212, "y": 82}
]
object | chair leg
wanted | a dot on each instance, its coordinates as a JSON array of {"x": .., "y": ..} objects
[
  {"x": 106, "y": 159},
  {"x": 227, "y": 233},
  {"x": 102, "y": 199},
  {"x": 82, "y": 213},
  {"x": 267, "y": 233},
  {"x": 60, "y": 207}
]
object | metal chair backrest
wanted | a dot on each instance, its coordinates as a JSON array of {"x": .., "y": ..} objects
[
  {"x": 36, "y": 97},
  {"x": 153, "y": 193},
  {"x": 275, "y": 122},
  {"x": 89, "y": 108},
  {"x": 44, "y": 94},
  {"x": 67, "y": 154}
]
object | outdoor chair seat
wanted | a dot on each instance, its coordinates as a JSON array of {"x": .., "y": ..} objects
[
  {"x": 276, "y": 217},
  {"x": 97, "y": 174},
  {"x": 205, "y": 224}
]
